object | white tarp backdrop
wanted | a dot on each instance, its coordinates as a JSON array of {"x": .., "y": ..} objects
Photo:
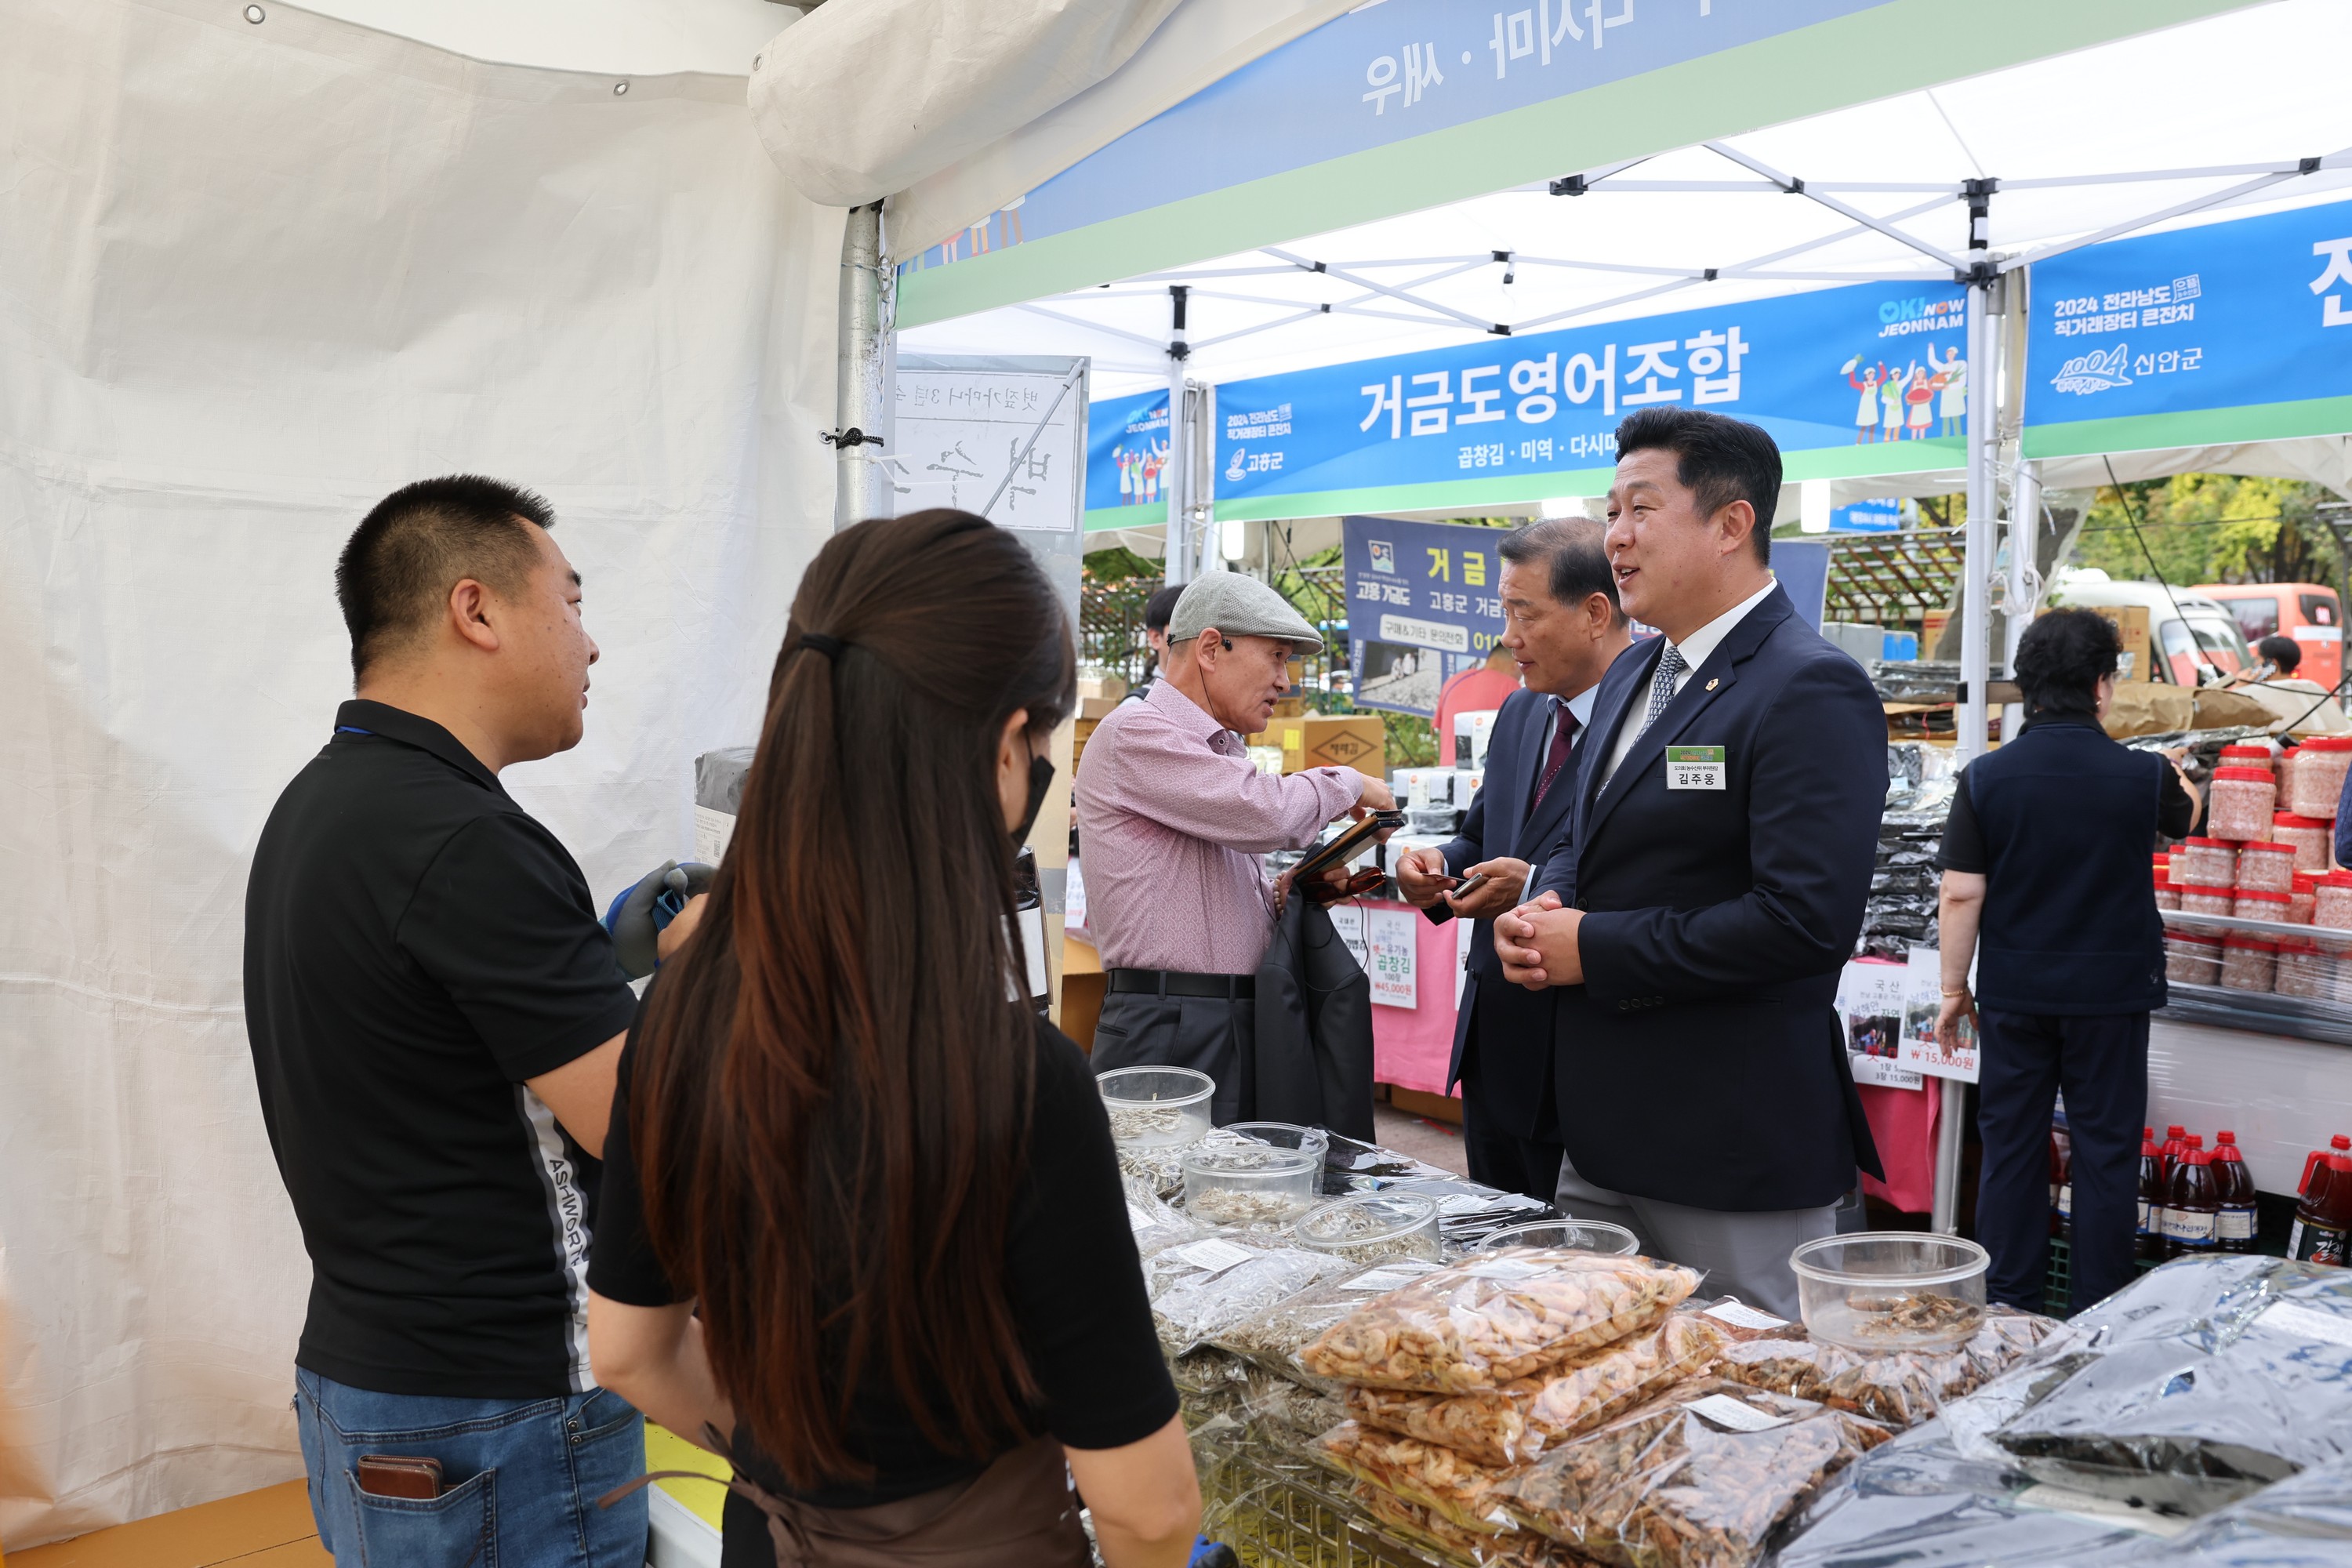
[{"x": 256, "y": 276}]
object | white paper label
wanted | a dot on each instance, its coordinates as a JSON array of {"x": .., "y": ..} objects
[
  {"x": 1694, "y": 767},
  {"x": 2189, "y": 1224},
  {"x": 1729, "y": 1414},
  {"x": 1213, "y": 1255},
  {"x": 1391, "y": 1276},
  {"x": 1140, "y": 1218},
  {"x": 1740, "y": 1317},
  {"x": 2292, "y": 1318},
  {"x": 712, "y": 830},
  {"x": 1507, "y": 1268},
  {"x": 1460, "y": 1202},
  {"x": 1392, "y": 951},
  {"x": 2066, "y": 1201},
  {"x": 2234, "y": 1225},
  {"x": 2143, "y": 1213}
]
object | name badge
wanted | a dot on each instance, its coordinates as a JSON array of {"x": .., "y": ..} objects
[{"x": 1694, "y": 767}]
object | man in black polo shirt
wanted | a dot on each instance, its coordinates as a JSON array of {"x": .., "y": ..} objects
[{"x": 435, "y": 1014}]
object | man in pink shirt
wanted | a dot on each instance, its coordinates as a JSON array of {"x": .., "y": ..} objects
[{"x": 1174, "y": 822}]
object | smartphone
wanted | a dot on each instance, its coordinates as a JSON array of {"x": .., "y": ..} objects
[
  {"x": 1470, "y": 887},
  {"x": 394, "y": 1475},
  {"x": 1340, "y": 850}
]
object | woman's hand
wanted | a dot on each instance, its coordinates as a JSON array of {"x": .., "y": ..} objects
[{"x": 1958, "y": 1005}]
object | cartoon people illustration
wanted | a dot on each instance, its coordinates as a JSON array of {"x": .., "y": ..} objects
[
  {"x": 1921, "y": 398},
  {"x": 1123, "y": 460},
  {"x": 1952, "y": 376},
  {"x": 1890, "y": 400},
  {"x": 1865, "y": 417}
]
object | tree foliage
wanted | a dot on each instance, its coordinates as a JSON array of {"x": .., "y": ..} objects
[{"x": 2211, "y": 528}]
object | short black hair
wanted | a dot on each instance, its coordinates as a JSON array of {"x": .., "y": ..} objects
[
  {"x": 420, "y": 542},
  {"x": 2062, "y": 658},
  {"x": 2281, "y": 651},
  {"x": 1720, "y": 458},
  {"x": 1160, "y": 608},
  {"x": 1579, "y": 560}
]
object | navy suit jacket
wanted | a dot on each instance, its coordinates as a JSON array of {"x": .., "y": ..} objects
[
  {"x": 1701, "y": 1062},
  {"x": 1513, "y": 1024}
]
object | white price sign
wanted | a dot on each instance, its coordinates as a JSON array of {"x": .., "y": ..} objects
[{"x": 1391, "y": 939}]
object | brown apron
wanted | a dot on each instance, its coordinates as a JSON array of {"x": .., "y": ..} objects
[{"x": 1019, "y": 1512}]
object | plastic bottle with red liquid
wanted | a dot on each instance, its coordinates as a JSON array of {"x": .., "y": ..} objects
[
  {"x": 2175, "y": 1143},
  {"x": 2151, "y": 1243},
  {"x": 2235, "y": 1219},
  {"x": 2323, "y": 1217},
  {"x": 2191, "y": 1203}
]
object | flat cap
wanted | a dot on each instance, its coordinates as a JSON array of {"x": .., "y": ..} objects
[{"x": 1240, "y": 606}]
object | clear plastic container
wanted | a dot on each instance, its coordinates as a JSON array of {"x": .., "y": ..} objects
[
  {"x": 2309, "y": 834},
  {"x": 2192, "y": 959},
  {"x": 2332, "y": 901},
  {"x": 2167, "y": 897},
  {"x": 1372, "y": 1226},
  {"x": 2204, "y": 863},
  {"x": 2241, "y": 801},
  {"x": 1578, "y": 1234},
  {"x": 2217, "y": 900},
  {"x": 2303, "y": 901},
  {"x": 1250, "y": 1184},
  {"x": 2317, "y": 782},
  {"x": 1283, "y": 1134},
  {"x": 2267, "y": 866},
  {"x": 1156, "y": 1108},
  {"x": 2252, "y": 904},
  {"x": 2305, "y": 971},
  {"x": 2248, "y": 965},
  {"x": 1891, "y": 1290}
]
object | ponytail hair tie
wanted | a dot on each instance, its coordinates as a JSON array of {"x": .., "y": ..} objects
[{"x": 829, "y": 647}]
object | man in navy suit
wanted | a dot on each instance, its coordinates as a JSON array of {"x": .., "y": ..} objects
[
  {"x": 1563, "y": 628},
  {"x": 1708, "y": 886}
]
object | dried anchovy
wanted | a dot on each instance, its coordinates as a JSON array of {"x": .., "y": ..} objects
[
  {"x": 1189, "y": 1305},
  {"x": 1422, "y": 1247},
  {"x": 1145, "y": 1123},
  {"x": 1901, "y": 1388},
  {"x": 1902, "y": 1317},
  {"x": 1229, "y": 1205}
]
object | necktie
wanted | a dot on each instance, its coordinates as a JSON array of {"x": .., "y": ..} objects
[
  {"x": 1662, "y": 685},
  {"x": 1562, "y": 733}
]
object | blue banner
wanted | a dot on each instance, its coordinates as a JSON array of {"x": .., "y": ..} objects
[
  {"x": 2234, "y": 331},
  {"x": 1127, "y": 451},
  {"x": 1425, "y": 602},
  {"x": 1867, "y": 379}
]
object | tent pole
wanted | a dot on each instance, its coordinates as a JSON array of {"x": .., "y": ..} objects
[
  {"x": 1181, "y": 561},
  {"x": 861, "y": 377}
]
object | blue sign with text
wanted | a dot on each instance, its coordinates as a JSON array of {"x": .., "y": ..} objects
[
  {"x": 1870, "y": 364},
  {"x": 2172, "y": 328},
  {"x": 1424, "y": 601}
]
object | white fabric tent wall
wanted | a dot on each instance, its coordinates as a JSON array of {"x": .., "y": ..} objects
[{"x": 254, "y": 277}]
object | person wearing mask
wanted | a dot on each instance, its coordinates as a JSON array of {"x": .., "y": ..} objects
[
  {"x": 1177, "y": 820},
  {"x": 2045, "y": 886},
  {"x": 1708, "y": 886},
  {"x": 2300, "y": 707},
  {"x": 1562, "y": 628},
  {"x": 1156, "y": 613},
  {"x": 434, "y": 1015},
  {"x": 862, "y": 1227}
]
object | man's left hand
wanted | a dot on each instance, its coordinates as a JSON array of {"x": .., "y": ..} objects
[
  {"x": 1538, "y": 944},
  {"x": 1506, "y": 879}
]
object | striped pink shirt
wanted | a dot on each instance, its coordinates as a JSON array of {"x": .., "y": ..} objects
[{"x": 1174, "y": 823}]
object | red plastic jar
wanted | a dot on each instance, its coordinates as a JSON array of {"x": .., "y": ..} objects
[
  {"x": 2192, "y": 959},
  {"x": 2246, "y": 757},
  {"x": 2333, "y": 904},
  {"x": 2305, "y": 971},
  {"x": 2269, "y": 868},
  {"x": 2167, "y": 897},
  {"x": 2249, "y": 964},
  {"x": 2253, "y": 904},
  {"x": 2303, "y": 902},
  {"x": 2320, "y": 765},
  {"x": 2309, "y": 835},
  {"x": 2203, "y": 900},
  {"x": 2204, "y": 863},
  {"x": 2241, "y": 803}
]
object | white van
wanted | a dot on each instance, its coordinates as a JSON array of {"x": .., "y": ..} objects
[{"x": 2196, "y": 639}]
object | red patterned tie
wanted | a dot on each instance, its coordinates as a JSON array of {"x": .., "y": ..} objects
[{"x": 1562, "y": 733}]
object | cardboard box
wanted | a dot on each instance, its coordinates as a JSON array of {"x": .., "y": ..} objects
[
  {"x": 1109, "y": 688},
  {"x": 2131, "y": 621},
  {"x": 1329, "y": 740},
  {"x": 1097, "y": 707}
]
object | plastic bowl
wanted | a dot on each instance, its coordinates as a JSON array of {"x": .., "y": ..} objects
[
  {"x": 1373, "y": 1227},
  {"x": 1891, "y": 1290},
  {"x": 1155, "y": 1108},
  {"x": 1580, "y": 1235},
  {"x": 1250, "y": 1184},
  {"x": 1283, "y": 1134}
]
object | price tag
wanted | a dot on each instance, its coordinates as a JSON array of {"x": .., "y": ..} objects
[
  {"x": 1733, "y": 1416},
  {"x": 1462, "y": 1203},
  {"x": 1214, "y": 1256},
  {"x": 1507, "y": 1268},
  {"x": 1694, "y": 767},
  {"x": 1140, "y": 1218},
  {"x": 1391, "y": 1276},
  {"x": 2293, "y": 1317},
  {"x": 1740, "y": 1317}
]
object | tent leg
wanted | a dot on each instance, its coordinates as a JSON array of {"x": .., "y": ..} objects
[
  {"x": 862, "y": 380},
  {"x": 1182, "y": 560}
]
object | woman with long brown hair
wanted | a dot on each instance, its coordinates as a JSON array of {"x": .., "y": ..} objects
[{"x": 861, "y": 1228}]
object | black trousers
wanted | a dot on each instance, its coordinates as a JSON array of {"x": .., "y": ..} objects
[
  {"x": 2101, "y": 1061},
  {"x": 1500, "y": 1157},
  {"x": 1207, "y": 1033}
]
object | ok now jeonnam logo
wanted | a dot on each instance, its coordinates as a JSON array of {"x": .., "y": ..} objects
[{"x": 2094, "y": 372}]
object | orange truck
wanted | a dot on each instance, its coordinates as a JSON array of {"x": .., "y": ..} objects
[{"x": 2310, "y": 613}]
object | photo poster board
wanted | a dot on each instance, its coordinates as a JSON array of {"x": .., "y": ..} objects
[
  {"x": 1872, "y": 995},
  {"x": 1923, "y": 999},
  {"x": 1424, "y": 603},
  {"x": 1386, "y": 945}
]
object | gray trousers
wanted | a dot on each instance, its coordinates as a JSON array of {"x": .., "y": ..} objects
[
  {"x": 1743, "y": 1255},
  {"x": 1207, "y": 1033}
]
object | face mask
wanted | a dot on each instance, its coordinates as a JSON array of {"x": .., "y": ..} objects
[{"x": 1041, "y": 779}]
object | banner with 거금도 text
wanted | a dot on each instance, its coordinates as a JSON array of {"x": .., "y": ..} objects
[
  {"x": 1424, "y": 603},
  {"x": 2229, "y": 332},
  {"x": 1127, "y": 452},
  {"x": 1855, "y": 381}
]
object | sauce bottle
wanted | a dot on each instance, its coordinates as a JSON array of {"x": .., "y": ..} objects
[
  {"x": 2150, "y": 1242},
  {"x": 2234, "y": 1215},
  {"x": 2176, "y": 1140},
  {"x": 2189, "y": 1203},
  {"x": 2325, "y": 1216}
]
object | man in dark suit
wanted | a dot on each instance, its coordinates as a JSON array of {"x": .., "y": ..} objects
[
  {"x": 1708, "y": 886},
  {"x": 1563, "y": 628}
]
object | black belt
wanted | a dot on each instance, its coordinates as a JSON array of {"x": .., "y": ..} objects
[{"x": 1176, "y": 983}]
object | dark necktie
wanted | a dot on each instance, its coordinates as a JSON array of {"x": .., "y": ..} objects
[{"x": 1562, "y": 733}]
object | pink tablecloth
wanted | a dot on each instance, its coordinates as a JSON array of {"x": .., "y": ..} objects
[
  {"x": 1903, "y": 1123},
  {"x": 1411, "y": 1046}
]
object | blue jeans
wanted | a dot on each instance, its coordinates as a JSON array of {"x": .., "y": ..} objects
[{"x": 522, "y": 1478}]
